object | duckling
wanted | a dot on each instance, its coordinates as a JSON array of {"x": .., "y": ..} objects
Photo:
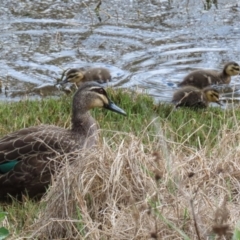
[
  {"x": 77, "y": 76},
  {"x": 26, "y": 156},
  {"x": 203, "y": 77},
  {"x": 194, "y": 97}
]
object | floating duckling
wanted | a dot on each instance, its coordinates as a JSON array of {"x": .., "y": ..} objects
[
  {"x": 194, "y": 97},
  {"x": 77, "y": 76},
  {"x": 29, "y": 157},
  {"x": 202, "y": 78}
]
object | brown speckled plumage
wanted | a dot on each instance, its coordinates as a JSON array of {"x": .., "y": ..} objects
[
  {"x": 202, "y": 78},
  {"x": 39, "y": 149},
  {"x": 77, "y": 76},
  {"x": 194, "y": 97}
]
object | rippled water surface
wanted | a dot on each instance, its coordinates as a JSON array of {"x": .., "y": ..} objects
[{"x": 149, "y": 44}]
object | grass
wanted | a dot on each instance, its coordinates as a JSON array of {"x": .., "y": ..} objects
[
  {"x": 158, "y": 173},
  {"x": 191, "y": 127}
]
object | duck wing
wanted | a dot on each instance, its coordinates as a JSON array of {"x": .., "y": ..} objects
[{"x": 32, "y": 141}]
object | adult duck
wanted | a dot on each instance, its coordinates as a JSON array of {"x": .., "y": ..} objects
[{"x": 30, "y": 156}]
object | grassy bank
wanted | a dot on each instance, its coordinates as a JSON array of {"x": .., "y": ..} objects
[
  {"x": 193, "y": 128},
  {"x": 159, "y": 172}
]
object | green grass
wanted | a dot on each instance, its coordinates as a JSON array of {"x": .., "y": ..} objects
[
  {"x": 3, "y": 231},
  {"x": 21, "y": 215},
  {"x": 195, "y": 128}
]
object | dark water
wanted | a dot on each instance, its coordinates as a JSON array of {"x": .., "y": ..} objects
[{"x": 146, "y": 44}]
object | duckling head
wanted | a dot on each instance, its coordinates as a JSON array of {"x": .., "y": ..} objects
[
  {"x": 232, "y": 69},
  {"x": 212, "y": 95},
  {"x": 74, "y": 76},
  {"x": 93, "y": 95}
]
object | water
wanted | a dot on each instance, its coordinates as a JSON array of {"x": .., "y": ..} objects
[{"x": 148, "y": 44}]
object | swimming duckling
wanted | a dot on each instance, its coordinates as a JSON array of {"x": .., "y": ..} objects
[
  {"x": 194, "y": 97},
  {"x": 202, "y": 78},
  {"x": 77, "y": 76},
  {"x": 30, "y": 156}
]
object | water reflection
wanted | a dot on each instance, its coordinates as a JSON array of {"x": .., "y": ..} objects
[{"x": 150, "y": 44}]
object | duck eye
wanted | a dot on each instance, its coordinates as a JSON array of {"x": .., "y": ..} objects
[{"x": 100, "y": 91}]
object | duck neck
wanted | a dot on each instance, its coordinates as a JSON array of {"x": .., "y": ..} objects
[
  {"x": 225, "y": 78},
  {"x": 83, "y": 124}
]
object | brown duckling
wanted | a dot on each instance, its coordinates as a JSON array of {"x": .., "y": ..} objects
[
  {"x": 77, "y": 76},
  {"x": 190, "y": 96},
  {"x": 202, "y": 78}
]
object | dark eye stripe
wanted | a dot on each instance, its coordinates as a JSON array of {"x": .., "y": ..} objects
[
  {"x": 99, "y": 90},
  {"x": 236, "y": 68},
  {"x": 71, "y": 75},
  {"x": 215, "y": 95}
]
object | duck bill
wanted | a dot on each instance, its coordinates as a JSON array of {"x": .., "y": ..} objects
[{"x": 113, "y": 107}]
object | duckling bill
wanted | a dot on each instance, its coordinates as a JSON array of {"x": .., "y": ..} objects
[
  {"x": 202, "y": 78},
  {"x": 196, "y": 98},
  {"x": 29, "y": 157}
]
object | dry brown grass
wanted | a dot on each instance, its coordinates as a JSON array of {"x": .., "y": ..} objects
[{"x": 155, "y": 190}]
